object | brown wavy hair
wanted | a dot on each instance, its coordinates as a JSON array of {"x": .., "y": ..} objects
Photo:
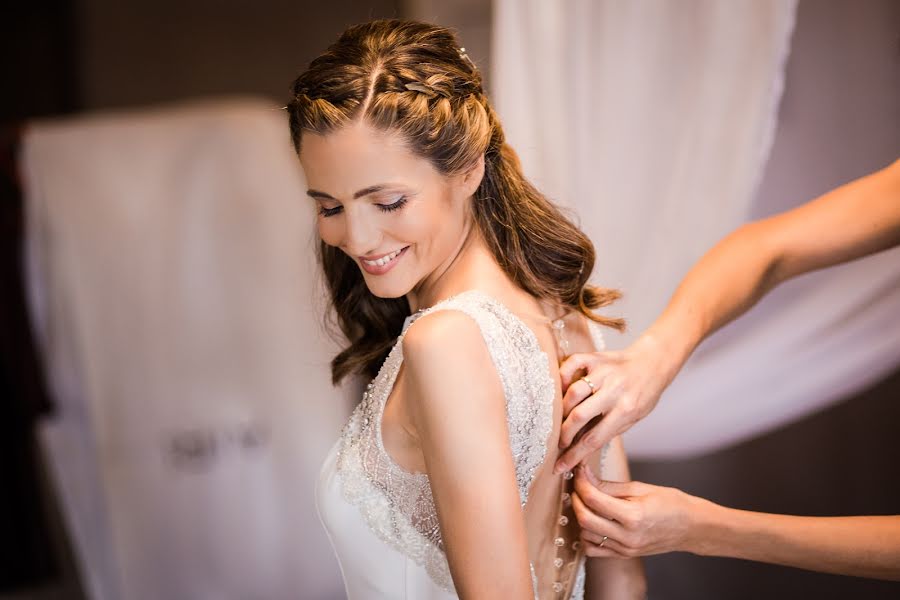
[{"x": 414, "y": 79}]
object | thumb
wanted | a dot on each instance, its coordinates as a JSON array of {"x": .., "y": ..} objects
[
  {"x": 617, "y": 489},
  {"x": 597, "y": 500}
]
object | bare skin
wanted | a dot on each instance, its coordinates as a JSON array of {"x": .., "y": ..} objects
[
  {"x": 854, "y": 220},
  {"x": 641, "y": 520},
  {"x": 859, "y": 218},
  {"x": 446, "y": 416}
]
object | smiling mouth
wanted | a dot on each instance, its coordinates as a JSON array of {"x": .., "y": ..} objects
[{"x": 384, "y": 260}]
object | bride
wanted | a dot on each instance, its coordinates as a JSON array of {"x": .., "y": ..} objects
[{"x": 459, "y": 288}]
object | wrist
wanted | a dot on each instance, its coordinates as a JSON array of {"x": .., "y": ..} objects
[
  {"x": 669, "y": 350},
  {"x": 708, "y": 526}
]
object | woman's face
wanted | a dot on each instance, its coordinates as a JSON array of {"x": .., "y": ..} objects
[{"x": 392, "y": 212}]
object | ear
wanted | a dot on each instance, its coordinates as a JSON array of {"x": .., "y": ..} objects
[{"x": 470, "y": 179}]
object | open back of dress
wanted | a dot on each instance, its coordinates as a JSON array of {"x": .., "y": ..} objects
[{"x": 381, "y": 519}]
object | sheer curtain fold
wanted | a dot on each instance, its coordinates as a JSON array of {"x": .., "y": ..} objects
[{"x": 637, "y": 114}]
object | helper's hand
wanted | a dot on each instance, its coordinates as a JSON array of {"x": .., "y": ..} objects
[
  {"x": 633, "y": 518},
  {"x": 624, "y": 387}
]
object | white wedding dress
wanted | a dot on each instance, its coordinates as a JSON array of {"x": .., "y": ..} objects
[{"x": 381, "y": 519}]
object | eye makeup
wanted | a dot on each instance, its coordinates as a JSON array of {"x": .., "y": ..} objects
[{"x": 396, "y": 205}]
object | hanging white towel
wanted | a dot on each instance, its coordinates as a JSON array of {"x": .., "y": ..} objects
[{"x": 173, "y": 281}]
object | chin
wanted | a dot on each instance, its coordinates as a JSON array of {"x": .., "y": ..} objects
[{"x": 387, "y": 290}]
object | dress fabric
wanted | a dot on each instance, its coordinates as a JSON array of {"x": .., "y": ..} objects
[{"x": 380, "y": 518}]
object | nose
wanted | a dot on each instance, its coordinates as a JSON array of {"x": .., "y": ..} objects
[{"x": 361, "y": 234}]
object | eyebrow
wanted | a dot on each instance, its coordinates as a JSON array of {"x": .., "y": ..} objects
[{"x": 363, "y": 192}]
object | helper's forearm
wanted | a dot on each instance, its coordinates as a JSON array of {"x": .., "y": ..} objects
[
  {"x": 725, "y": 283},
  {"x": 860, "y": 546},
  {"x": 853, "y": 220}
]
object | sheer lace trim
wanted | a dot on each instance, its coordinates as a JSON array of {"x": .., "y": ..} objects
[
  {"x": 599, "y": 346},
  {"x": 578, "y": 588},
  {"x": 596, "y": 335},
  {"x": 398, "y": 505}
]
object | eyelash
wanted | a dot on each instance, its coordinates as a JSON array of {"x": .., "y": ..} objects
[{"x": 397, "y": 205}]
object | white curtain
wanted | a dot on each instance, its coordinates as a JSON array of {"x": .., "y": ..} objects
[
  {"x": 653, "y": 121},
  {"x": 173, "y": 284}
]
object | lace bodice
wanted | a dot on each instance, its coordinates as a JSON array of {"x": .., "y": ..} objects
[{"x": 398, "y": 505}]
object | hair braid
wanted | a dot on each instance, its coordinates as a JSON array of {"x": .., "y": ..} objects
[{"x": 413, "y": 79}]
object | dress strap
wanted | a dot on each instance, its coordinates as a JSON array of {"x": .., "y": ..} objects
[{"x": 524, "y": 371}]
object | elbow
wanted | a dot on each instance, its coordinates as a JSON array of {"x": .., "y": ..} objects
[
  {"x": 617, "y": 579},
  {"x": 637, "y": 586},
  {"x": 762, "y": 242}
]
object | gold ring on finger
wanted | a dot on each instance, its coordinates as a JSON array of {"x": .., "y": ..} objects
[
  {"x": 603, "y": 541},
  {"x": 590, "y": 384}
]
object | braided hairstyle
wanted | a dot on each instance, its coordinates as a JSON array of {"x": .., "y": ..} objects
[{"x": 412, "y": 78}]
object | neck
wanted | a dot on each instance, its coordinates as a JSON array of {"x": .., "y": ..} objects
[{"x": 470, "y": 266}]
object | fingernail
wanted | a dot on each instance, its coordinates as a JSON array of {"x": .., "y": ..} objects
[{"x": 559, "y": 468}]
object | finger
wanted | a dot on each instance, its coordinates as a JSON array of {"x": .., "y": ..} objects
[
  {"x": 598, "y": 501},
  {"x": 593, "y": 522},
  {"x": 591, "y": 537},
  {"x": 580, "y": 391},
  {"x": 593, "y": 525},
  {"x": 589, "y": 474},
  {"x": 610, "y": 549},
  {"x": 593, "y": 440},
  {"x": 592, "y": 407},
  {"x": 573, "y": 365},
  {"x": 618, "y": 489},
  {"x": 595, "y": 551},
  {"x": 574, "y": 394}
]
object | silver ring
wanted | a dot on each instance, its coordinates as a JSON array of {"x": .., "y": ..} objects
[
  {"x": 603, "y": 541},
  {"x": 590, "y": 384}
]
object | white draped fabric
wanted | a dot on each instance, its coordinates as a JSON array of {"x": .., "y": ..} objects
[
  {"x": 653, "y": 121},
  {"x": 172, "y": 280}
]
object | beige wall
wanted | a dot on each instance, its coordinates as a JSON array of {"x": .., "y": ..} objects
[
  {"x": 470, "y": 18},
  {"x": 136, "y": 53}
]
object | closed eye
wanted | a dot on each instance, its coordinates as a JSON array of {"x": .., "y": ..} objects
[
  {"x": 397, "y": 205},
  {"x": 330, "y": 212}
]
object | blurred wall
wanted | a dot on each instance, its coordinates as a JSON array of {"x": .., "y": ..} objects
[
  {"x": 470, "y": 18},
  {"x": 63, "y": 57},
  {"x": 135, "y": 53}
]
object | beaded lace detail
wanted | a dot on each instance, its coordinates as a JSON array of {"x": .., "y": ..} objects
[
  {"x": 565, "y": 510},
  {"x": 599, "y": 346},
  {"x": 398, "y": 505}
]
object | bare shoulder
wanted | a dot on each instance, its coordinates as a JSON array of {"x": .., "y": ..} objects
[
  {"x": 448, "y": 364},
  {"x": 439, "y": 334},
  {"x": 453, "y": 393}
]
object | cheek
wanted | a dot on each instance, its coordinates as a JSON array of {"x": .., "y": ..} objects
[
  {"x": 414, "y": 227},
  {"x": 430, "y": 224},
  {"x": 329, "y": 230},
  {"x": 433, "y": 228}
]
